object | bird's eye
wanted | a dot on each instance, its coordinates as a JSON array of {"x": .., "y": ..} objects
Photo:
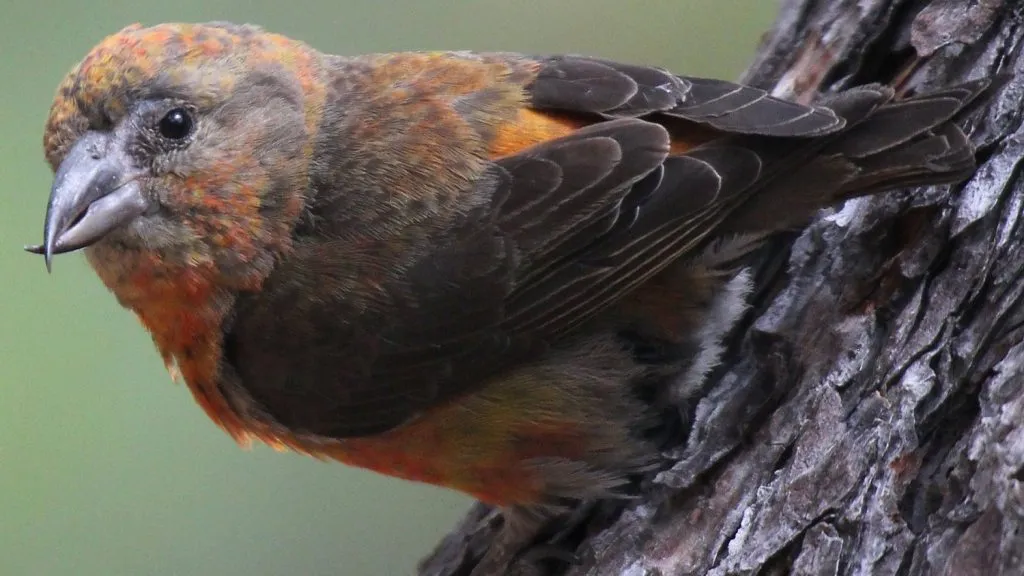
[{"x": 176, "y": 124}]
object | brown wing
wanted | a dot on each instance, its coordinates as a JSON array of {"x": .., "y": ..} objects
[{"x": 573, "y": 224}]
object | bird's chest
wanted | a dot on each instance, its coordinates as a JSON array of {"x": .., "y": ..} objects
[
  {"x": 184, "y": 312},
  {"x": 187, "y": 334}
]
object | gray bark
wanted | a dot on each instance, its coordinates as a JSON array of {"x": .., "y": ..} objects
[{"x": 870, "y": 417}]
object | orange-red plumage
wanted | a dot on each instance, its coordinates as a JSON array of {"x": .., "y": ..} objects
[{"x": 530, "y": 127}]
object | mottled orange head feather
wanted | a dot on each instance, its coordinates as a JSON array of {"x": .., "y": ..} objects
[{"x": 242, "y": 194}]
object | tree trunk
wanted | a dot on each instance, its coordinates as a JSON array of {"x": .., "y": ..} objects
[{"x": 869, "y": 417}]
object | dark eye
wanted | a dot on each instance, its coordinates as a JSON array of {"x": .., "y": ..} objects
[{"x": 176, "y": 124}]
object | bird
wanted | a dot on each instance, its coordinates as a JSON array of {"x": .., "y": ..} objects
[{"x": 479, "y": 270}]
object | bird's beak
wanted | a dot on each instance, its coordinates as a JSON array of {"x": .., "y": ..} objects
[{"x": 96, "y": 189}]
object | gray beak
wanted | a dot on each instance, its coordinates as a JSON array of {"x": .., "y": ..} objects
[{"x": 96, "y": 189}]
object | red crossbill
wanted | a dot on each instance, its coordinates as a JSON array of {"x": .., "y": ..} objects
[{"x": 450, "y": 267}]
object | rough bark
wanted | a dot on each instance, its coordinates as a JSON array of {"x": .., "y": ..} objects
[{"x": 870, "y": 416}]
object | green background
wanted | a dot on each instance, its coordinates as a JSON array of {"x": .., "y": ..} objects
[{"x": 108, "y": 468}]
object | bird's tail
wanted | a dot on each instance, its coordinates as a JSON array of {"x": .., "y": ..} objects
[
  {"x": 885, "y": 144},
  {"x": 911, "y": 142}
]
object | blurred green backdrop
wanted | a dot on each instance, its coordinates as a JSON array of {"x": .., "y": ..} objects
[{"x": 106, "y": 467}]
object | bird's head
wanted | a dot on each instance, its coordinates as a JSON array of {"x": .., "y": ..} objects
[{"x": 185, "y": 144}]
